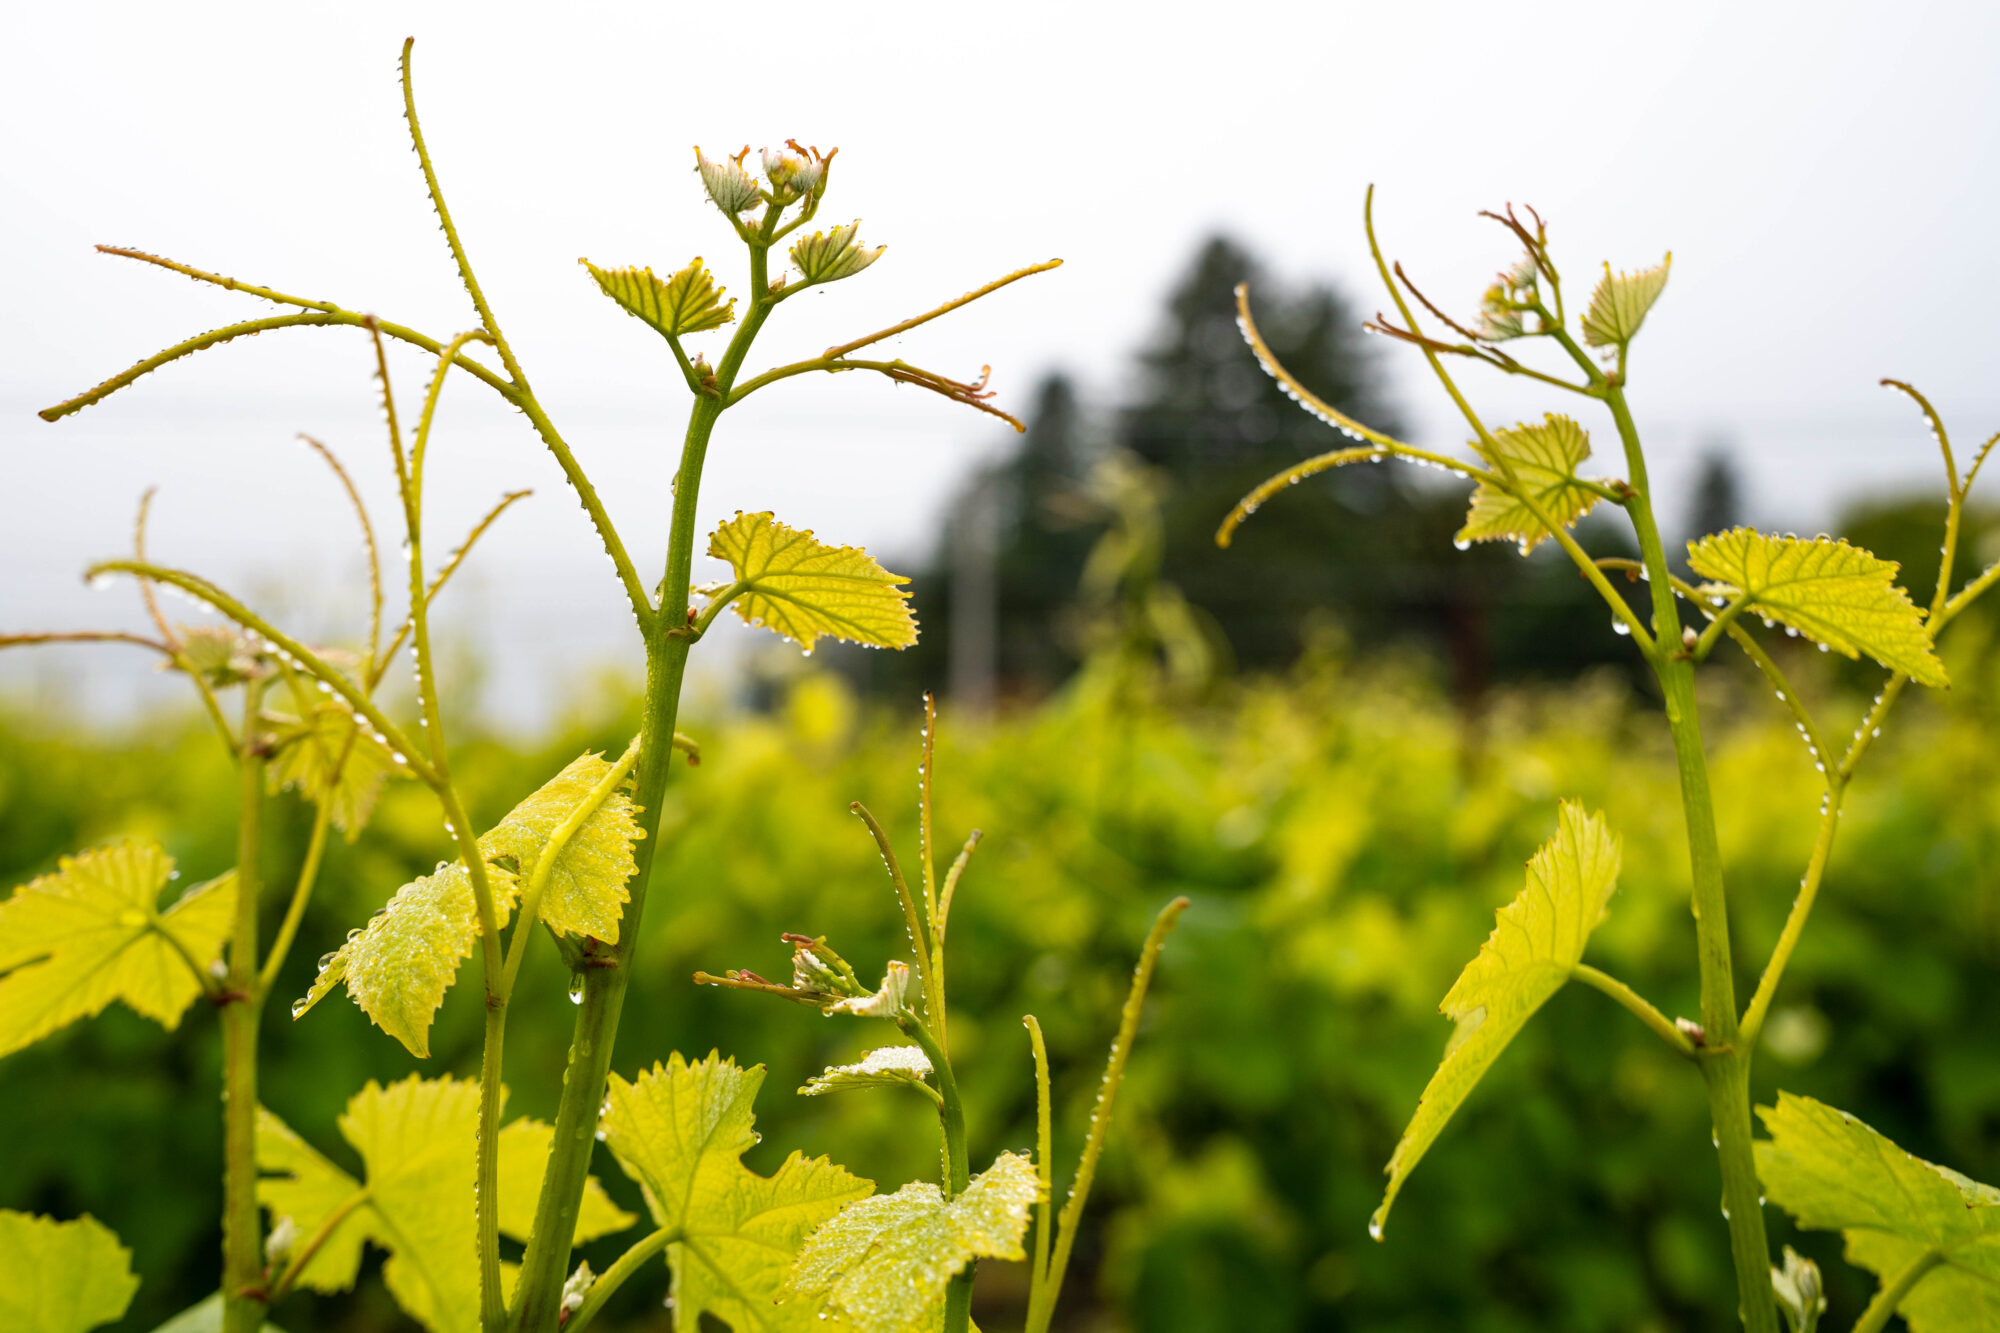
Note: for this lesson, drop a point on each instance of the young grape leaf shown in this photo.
(885, 1261)
(73, 941)
(1535, 946)
(1834, 1173)
(61, 1277)
(887, 1067)
(802, 588)
(829, 256)
(418, 1144)
(586, 893)
(1840, 595)
(399, 967)
(1619, 305)
(1544, 460)
(330, 756)
(679, 1130)
(687, 302)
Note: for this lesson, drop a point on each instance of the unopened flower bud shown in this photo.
(1801, 1294)
(782, 170)
(278, 1245)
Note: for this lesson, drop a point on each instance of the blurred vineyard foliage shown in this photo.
(1344, 831)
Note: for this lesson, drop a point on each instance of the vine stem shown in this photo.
(1725, 1065)
(957, 1165)
(1876, 1317)
(607, 971)
(602, 1290)
(243, 1303)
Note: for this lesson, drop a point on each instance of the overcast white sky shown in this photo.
(1825, 175)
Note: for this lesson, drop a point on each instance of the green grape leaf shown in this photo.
(1840, 595)
(399, 967)
(418, 1145)
(886, 1067)
(1834, 1173)
(884, 1262)
(801, 588)
(679, 1130)
(687, 302)
(587, 892)
(218, 654)
(61, 1277)
(1544, 460)
(829, 256)
(330, 756)
(73, 941)
(1536, 944)
(1619, 305)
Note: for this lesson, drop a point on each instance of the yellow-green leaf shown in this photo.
(399, 967)
(1619, 305)
(61, 1277)
(798, 586)
(829, 256)
(687, 302)
(586, 893)
(330, 756)
(1544, 460)
(679, 1130)
(1535, 946)
(1840, 595)
(884, 1262)
(417, 1140)
(1834, 1173)
(73, 941)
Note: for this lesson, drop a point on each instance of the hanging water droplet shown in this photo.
(1621, 629)
(576, 988)
(1375, 1229)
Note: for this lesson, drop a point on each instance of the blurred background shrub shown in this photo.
(1345, 830)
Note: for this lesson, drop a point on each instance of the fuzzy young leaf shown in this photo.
(687, 302)
(1534, 948)
(1544, 460)
(61, 1277)
(1834, 1173)
(679, 1130)
(1619, 305)
(885, 1262)
(829, 256)
(330, 756)
(399, 967)
(418, 1141)
(801, 588)
(729, 186)
(886, 1067)
(73, 941)
(1840, 595)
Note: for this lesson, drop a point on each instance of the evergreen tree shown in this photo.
(1372, 545)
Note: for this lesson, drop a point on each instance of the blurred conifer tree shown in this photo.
(1371, 545)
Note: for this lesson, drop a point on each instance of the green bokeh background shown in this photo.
(1344, 831)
